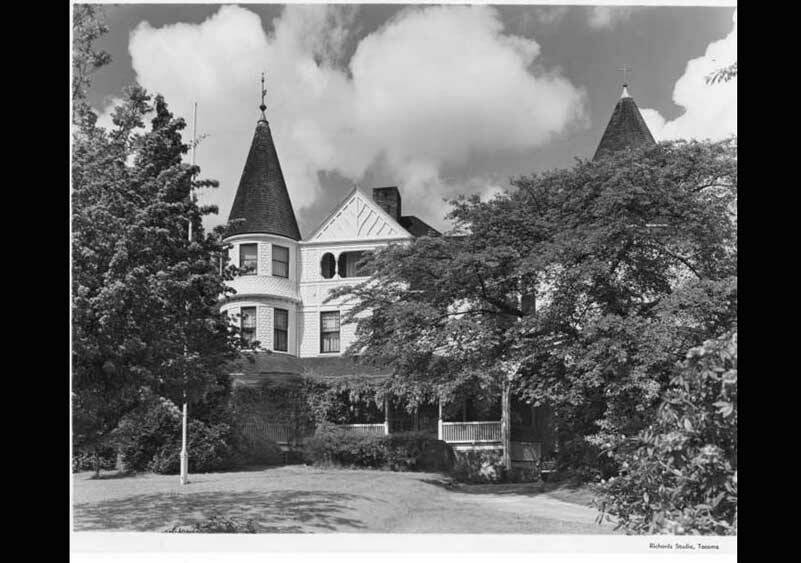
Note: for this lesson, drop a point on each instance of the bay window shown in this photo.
(248, 259)
(248, 326)
(280, 261)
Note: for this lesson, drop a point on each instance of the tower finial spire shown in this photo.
(624, 69)
(263, 107)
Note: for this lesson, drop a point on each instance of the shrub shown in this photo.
(679, 475)
(579, 458)
(85, 460)
(399, 452)
(143, 433)
(255, 449)
(150, 440)
(479, 466)
(527, 474)
(409, 451)
(209, 447)
(342, 447)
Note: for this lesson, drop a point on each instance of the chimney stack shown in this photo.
(390, 200)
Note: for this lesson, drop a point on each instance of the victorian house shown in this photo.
(282, 309)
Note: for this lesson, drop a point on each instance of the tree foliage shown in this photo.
(630, 260)
(723, 74)
(145, 310)
(679, 475)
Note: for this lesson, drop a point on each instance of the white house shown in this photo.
(280, 299)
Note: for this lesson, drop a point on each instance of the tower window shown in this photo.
(248, 326)
(280, 261)
(329, 332)
(280, 329)
(328, 266)
(248, 259)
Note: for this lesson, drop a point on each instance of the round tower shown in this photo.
(263, 234)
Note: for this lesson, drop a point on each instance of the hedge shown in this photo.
(84, 460)
(408, 451)
(150, 440)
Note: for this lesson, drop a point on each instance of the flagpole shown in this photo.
(184, 450)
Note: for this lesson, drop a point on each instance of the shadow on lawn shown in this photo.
(275, 511)
(114, 475)
(569, 491)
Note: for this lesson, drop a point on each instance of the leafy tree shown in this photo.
(723, 74)
(87, 28)
(145, 310)
(630, 260)
(679, 475)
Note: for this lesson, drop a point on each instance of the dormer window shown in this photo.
(248, 259)
(280, 261)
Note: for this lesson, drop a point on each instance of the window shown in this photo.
(280, 329)
(327, 265)
(248, 326)
(248, 259)
(348, 265)
(280, 261)
(329, 332)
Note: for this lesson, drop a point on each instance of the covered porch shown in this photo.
(466, 425)
(517, 430)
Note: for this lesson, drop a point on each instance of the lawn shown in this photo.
(302, 499)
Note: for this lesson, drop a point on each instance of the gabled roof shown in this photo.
(358, 217)
(262, 199)
(626, 128)
(418, 228)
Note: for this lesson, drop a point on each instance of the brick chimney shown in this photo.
(389, 199)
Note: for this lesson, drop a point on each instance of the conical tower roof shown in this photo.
(626, 128)
(262, 199)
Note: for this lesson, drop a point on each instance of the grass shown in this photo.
(300, 499)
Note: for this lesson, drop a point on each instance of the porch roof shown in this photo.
(259, 367)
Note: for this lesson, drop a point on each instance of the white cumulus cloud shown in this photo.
(607, 17)
(710, 110)
(430, 89)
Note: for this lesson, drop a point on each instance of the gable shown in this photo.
(358, 218)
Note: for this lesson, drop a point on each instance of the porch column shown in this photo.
(386, 416)
(439, 421)
(506, 427)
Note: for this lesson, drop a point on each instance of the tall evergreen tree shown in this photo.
(145, 311)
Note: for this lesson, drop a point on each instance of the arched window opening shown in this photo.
(327, 265)
(348, 265)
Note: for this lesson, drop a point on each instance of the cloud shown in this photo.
(607, 17)
(429, 90)
(549, 15)
(710, 110)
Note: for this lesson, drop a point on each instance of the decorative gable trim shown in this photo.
(358, 218)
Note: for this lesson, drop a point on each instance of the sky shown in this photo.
(439, 100)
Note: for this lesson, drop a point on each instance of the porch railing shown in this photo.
(275, 431)
(377, 429)
(489, 431)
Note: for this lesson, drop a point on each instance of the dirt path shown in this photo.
(306, 499)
